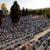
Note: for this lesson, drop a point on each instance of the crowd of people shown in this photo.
(43, 43)
(27, 27)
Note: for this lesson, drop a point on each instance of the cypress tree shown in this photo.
(15, 12)
(23, 12)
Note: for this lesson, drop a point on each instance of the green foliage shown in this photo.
(15, 12)
(23, 12)
(44, 12)
(26, 11)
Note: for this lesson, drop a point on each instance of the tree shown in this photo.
(15, 12)
(26, 11)
(23, 12)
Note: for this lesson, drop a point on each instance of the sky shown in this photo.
(30, 4)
